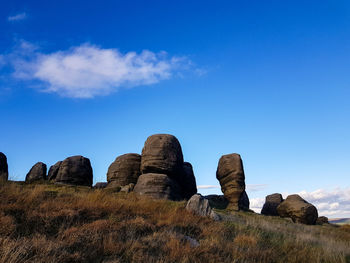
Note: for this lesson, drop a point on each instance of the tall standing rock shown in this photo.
(271, 203)
(298, 210)
(53, 171)
(36, 173)
(75, 170)
(4, 174)
(124, 170)
(162, 154)
(159, 186)
(188, 181)
(230, 174)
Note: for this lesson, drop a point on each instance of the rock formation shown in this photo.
(124, 170)
(217, 201)
(200, 206)
(36, 173)
(271, 203)
(298, 210)
(162, 154)
(322, 220)
(230, 174)
(75, 170)
(100, 185)
(158, 186)
(53, 171)
(4, 174)
(188, 181)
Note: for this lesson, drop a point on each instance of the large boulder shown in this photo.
(53, 171)
(271, 203)
(124, 170)
(298, 210)
(230, 174)
(4, 174)
(159, 186)
(162, 154)
(188, 181)
(75, 170)
(36, 173)
(200, 206)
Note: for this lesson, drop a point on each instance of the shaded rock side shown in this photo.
(124, 170)
(199, 205)
(162, 154)
(159, 186)
(271, 203)
(53, 171)
(217, 201)
(230, 174)
(36, 173)
(4, 173)
(188, 181)
(298, 210)
(75, 170)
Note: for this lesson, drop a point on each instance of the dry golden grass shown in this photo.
(50, 223)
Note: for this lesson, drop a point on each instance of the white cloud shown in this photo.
(87, 71)
(330, 203)
(17, 17)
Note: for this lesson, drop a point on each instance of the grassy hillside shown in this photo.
(49, 223)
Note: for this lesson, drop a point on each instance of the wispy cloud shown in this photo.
(87, 70)
(17, 17)
(256, 187)
(208, 186)
(331, 203)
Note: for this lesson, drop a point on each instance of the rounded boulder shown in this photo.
(36, 173)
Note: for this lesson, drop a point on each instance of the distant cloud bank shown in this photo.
(331, 203)
(87, 70)
(17, 17)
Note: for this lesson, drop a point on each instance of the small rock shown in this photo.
(271, 203)
(127, 188)
(322, 220)
(36, 173)
(100, 185)
(200, 206)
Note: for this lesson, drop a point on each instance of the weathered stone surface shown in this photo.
(271, 203)
(217, 201)
(125, 169)
(200, 206)
(298, 210)
(162, 154)
(4, 174)
(100, 185)
(322, 220)
(127, 188)
(230, 174)
(36, 173)
(188, 181)
(158, 186)
(75, 170)
(53, 171)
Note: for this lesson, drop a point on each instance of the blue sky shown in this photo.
(269, 80)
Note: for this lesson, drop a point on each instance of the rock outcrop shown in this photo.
(159, 186)
(271, 203)
(322, 220)
(75, 170)
(53, 171)
(124, 170)
(199, 205)
(188, 181)
(162, 154)
(37, 173)
(230, 174)
(217, 201)
(298, 210)
(4, 174)
(100, 185)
